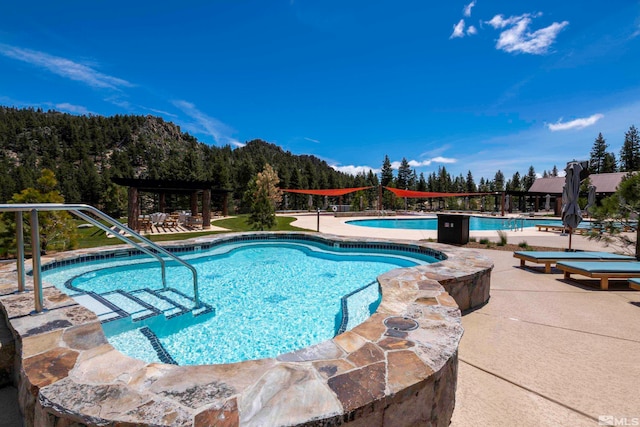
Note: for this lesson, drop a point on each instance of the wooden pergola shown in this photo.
(162, 187)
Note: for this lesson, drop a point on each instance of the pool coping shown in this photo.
(369, 375)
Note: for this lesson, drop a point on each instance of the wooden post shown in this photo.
(163, 202)
(194, 203)
(206, 209)
(133, 209)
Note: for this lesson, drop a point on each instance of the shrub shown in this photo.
(484, 241)
(502, 235)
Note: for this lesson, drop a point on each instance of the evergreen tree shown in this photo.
(514, 184)
(57, 230)
(265, 196)
(444, 180)
(609, 163)
(529, 179)
(598, 153)
(404, 174)
(386, 173)
(386, 179)
(470, 185)
(554, 171)
(498, 181)
(483, 186)
(630, 151)
(422, 183)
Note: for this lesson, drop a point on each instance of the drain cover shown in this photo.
(400, 323)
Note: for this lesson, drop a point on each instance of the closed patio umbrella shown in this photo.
(571, 213)
(547, 202)
(591, 198)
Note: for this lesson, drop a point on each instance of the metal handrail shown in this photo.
(77, 209)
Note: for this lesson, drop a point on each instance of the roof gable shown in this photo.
(604, 183)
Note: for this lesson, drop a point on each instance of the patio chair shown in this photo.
(552, 257)
(603, 270)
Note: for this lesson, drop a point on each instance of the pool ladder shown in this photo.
(514, 224)
(146, 246)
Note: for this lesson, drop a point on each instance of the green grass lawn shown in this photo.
(93, 236)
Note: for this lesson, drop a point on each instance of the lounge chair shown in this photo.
(634, 284)
(603, 270)
(552, 257)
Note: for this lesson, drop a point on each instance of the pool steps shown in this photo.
(143, 309)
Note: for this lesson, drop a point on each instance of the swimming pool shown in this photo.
(261, 298)
(476, 223)
(374, 371)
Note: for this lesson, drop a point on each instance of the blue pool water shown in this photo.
(268, 298)
(476, 223)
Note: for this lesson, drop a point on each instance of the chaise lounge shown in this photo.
(634, 284)
(602, 270)
(552, 257)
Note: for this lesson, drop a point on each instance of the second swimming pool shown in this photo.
(476, 223)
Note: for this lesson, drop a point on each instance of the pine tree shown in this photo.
(404, 174)
(386, 179)
(609, 163)
(529, 179)
(422, 183)
(56, 228)
(514, 183)
(630, 151)
(598, 153)
(470, 184)
(444, 180)
(498, 181)
(265, 196)
(386, 174)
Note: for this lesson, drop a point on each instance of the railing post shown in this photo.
(20, 254)
(35, 260)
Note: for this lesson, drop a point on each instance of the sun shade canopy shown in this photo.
(329, 192)
(428, 194)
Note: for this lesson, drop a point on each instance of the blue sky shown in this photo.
(471, 85)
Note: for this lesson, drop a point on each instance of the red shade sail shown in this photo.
(428, 194)
(328, 192)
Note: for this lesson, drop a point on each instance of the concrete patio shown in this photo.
(542, 352)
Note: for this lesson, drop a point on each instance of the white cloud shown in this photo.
(428, 162)
(311, 140)
(64, 67)
(207, 125)
(471, 30)
(517, 37)
(575, 124)
(467, 9)
(355, 170)
(77, 109)
(458, 30)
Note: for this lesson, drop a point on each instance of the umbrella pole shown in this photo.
(570, 234)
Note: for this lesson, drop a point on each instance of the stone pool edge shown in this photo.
(371, 375)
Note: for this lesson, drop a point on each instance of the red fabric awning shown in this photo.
(428, 194)
(328, 192)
